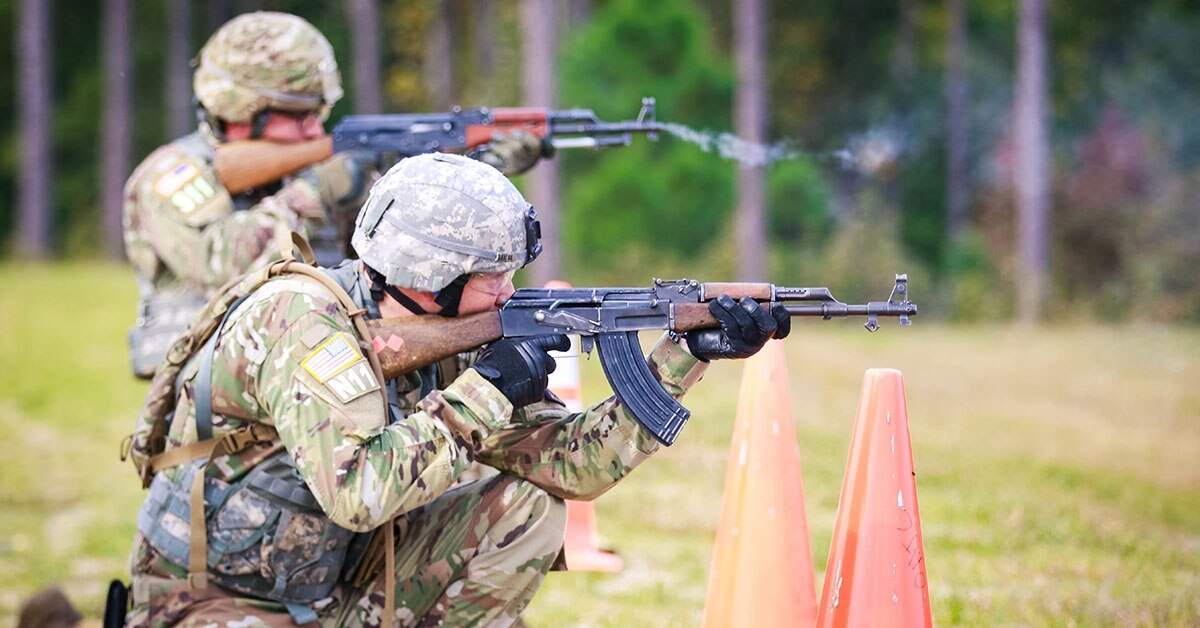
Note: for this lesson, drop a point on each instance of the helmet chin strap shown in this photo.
(448, 298)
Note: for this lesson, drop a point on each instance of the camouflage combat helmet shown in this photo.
(266, 60)
(435, 218)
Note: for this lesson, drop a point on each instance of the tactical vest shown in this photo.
(264, 535)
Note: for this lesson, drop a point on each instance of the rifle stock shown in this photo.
(407, 344)
(247, 164)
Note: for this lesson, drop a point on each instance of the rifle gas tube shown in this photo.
(404, 135)
(609, 319)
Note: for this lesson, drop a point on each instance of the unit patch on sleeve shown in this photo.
(173, 179)
(340, 366)
(353, 382)
(185, 187)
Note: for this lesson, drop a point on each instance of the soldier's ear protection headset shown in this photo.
(450, 297)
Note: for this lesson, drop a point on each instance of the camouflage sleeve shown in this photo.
(581, 455)
(179, 214)
(326, 404)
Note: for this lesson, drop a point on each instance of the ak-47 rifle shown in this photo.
(462, 130)
(247, 164)
(610, 319)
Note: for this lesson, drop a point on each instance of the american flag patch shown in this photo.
(336, 354)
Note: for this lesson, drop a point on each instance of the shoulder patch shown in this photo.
(353, 382)
(170, 181)
(340, 366)
(336, 354)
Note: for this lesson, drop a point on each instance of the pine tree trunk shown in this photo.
(484, 14)
(115, 136)
(750, 122)
(439, 58)
(539, 21)
(36, 108)
(364, 27)
(958, 175)
(178, 83)
(1032, 160)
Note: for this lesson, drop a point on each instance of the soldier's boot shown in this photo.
(472, 557)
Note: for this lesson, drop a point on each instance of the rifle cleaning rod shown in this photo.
(829, 310)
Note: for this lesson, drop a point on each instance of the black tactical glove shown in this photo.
(520, 369)
(745, 328)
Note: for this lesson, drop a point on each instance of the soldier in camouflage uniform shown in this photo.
(439, 234)
(262, 75)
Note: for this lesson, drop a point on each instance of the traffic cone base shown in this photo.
(582, 542)
(762, 571)
(876, 570)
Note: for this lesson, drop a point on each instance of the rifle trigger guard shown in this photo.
(638, 389)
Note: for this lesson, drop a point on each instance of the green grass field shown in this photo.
(1058, 468)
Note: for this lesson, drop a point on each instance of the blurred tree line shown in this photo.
(901, 115)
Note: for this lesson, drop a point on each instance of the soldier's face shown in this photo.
(485, 292)
(280, 127)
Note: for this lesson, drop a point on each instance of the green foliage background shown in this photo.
(837, 76)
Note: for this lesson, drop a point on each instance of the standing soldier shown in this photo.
(285, 488)
(268, 76)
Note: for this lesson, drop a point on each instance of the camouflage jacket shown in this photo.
(181, 230)
(287, 357)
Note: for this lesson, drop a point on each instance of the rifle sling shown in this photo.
(204, 378)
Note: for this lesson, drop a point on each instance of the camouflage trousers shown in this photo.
(473, 557)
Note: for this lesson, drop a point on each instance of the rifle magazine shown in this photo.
(637, 388)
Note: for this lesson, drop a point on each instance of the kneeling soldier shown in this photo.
(289, 483)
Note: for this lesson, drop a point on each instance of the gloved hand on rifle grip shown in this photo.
(520, 369)
(745, 327)
(514, 153)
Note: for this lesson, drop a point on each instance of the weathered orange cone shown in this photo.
(876, 570)
(762, 572)
(581, 542)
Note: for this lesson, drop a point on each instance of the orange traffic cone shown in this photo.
(762, 571)
(581, 543)
(876, 570)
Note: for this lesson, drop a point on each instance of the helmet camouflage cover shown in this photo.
(266, 60)
(435, 217)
